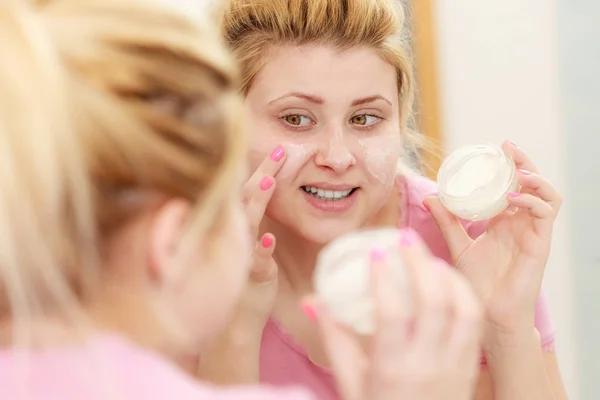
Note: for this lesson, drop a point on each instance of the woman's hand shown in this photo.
(259, 296)
(506, 263)
(235, 358)
(427, 351)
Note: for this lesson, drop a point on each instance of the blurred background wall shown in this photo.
(527, 70)
(579, 70)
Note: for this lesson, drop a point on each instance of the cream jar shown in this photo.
(342, 278)
(473, 181)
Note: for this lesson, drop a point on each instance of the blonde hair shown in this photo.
(251, 27)
(104, 104)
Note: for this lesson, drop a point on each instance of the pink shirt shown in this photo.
(111, 368)
(284, 361)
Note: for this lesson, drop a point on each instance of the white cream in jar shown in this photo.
(342, 279)
(473, 181)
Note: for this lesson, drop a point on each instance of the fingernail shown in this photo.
(426, 206)
(512, 143)
(514, 194)
(266, 183)
(277, 154)
(378, 254)
(266, 242)
(524, 172)
(408, 237)
(309, 310)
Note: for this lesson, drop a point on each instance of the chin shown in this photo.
(324, 232)
(314, 228)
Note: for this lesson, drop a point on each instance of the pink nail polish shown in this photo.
(266, 183)
(408, 237)
(266, 242)
(426, 206)
(309, 310)
(514, 194)
(277, 154)
(524, 172)
(378, 254)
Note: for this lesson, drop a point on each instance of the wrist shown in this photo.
(238, 336)
(234, 358)
(500, 340)
(517, 367)
(507, 349)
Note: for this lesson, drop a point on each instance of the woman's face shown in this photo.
(336, 113)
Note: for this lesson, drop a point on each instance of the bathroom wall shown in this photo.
(579, 66)
(501, 76)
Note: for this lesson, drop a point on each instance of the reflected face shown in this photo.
(337, 115)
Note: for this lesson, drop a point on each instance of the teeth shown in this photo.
(326, 194)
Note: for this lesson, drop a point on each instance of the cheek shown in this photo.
(380, 155)
(297, 156)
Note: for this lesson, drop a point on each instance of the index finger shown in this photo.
(270, 166)
(522, 161)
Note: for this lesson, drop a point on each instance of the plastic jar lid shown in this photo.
(473, 181)
(342, 278)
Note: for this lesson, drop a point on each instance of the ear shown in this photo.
(165, 235)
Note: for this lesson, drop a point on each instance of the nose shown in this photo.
(334, 153)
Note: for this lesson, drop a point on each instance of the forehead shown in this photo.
(325, 71)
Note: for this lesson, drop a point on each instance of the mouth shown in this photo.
(326, 194)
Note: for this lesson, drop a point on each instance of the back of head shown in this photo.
(104, 105)
(252, 26)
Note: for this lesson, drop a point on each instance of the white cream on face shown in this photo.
(380, 155)
(296, 156)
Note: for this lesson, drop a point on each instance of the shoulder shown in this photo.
(150, 376)
(414, 189)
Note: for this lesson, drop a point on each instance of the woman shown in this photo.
(328, 83)
(120, 150)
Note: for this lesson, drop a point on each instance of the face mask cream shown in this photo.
(473, 181)
(342, 279)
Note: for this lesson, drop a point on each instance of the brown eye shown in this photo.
(364, 120)
(293, 119)
(359, 119)
(297, 120)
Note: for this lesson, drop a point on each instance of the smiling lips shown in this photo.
(330, 198)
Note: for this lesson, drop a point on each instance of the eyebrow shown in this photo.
(308, 97)
(370, 99)
(318, 100)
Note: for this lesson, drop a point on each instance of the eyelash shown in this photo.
(295, 127)
(373, 125)
(298, 128)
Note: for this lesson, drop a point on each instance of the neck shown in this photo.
(140, 318)
(117, 311)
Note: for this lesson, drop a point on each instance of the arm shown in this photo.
(521, 370)
(233, 360)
